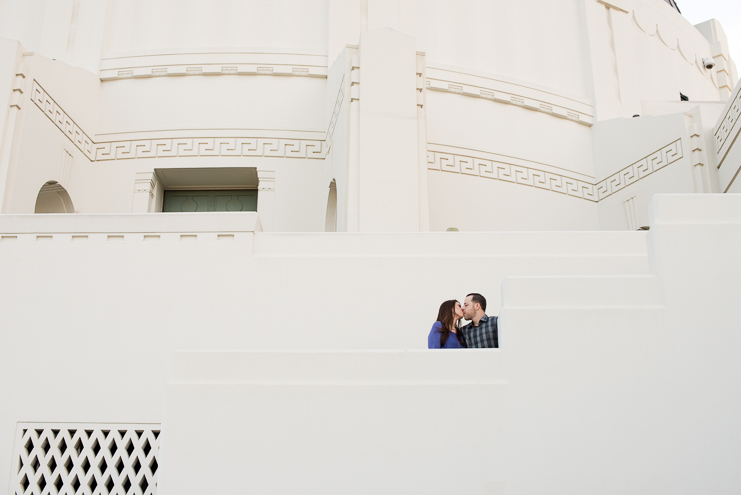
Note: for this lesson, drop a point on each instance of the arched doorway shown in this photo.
(53, 198)
(330, 223)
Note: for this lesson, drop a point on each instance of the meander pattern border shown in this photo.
(172, 147)
(317, 149)
(730, 119)
(526, 176)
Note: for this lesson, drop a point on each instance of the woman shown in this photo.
(446, 332)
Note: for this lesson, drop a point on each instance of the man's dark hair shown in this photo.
(478, 298)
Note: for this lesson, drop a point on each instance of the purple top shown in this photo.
(433, 340)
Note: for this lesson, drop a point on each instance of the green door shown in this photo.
(234, 200)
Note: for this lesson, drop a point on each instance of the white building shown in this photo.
(275, 357)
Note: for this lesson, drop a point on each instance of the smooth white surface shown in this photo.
(96, 314)
(597, 376)
(513, 118)
(132, 88)
(131, 223)
(338, 422)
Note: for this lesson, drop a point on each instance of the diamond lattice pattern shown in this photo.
(85, 459)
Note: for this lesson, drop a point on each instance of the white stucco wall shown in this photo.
(510, 121)
(98, 318)
(528, 104)
(596, 377)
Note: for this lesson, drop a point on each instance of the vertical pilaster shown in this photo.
(608, 41)
(265, 198)
(388, 196)
(725, 71)
(424, 207)
(144, 188)
(9, 138)
(698, 158)
(353, 161)
(622, 41)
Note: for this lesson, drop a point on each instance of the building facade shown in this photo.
(221, 221)
(521, 107)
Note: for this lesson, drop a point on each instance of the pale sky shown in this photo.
(728, 12)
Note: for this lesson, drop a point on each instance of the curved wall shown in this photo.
(529, 40)
(508, 95)
(145, 25)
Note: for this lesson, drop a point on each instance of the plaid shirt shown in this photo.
(484, 335)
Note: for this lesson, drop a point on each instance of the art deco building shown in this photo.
(226, 227)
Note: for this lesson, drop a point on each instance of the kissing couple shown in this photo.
(447, 333)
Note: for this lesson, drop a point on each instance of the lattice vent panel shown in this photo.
(85, 459)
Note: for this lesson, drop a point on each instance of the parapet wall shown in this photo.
(597, 377)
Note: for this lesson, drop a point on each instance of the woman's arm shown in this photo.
(433, 340)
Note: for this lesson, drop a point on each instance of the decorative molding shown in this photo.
(696, 151)
(266, 180)
(173, 147)
(638, 170)
(613, 4)
(726, 126)
(214, 70)
(16, 97)
(551, 181)
(509, 172)
(182, 147)
(355, 78)
(266, 198)
(335, 115)
(63, 121)
(669, 37)
(467, 83)
(145, 184)
(421, 85)
(220, 62)
(69, 458)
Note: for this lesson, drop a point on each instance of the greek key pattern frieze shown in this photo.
(640, 169)
(541, 179)
(729, 121)
(167, 148)
(62, 120)
(507, 172)
(174, 147)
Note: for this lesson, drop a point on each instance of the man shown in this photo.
(482, 331)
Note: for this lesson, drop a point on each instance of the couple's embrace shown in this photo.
(447, 333)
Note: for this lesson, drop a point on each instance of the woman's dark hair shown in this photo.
(446, 317)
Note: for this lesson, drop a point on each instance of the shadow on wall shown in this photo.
(53, 198)
(330, 223)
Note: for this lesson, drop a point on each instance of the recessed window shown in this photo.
(219, 200)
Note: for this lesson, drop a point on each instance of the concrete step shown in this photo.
(630, 291)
